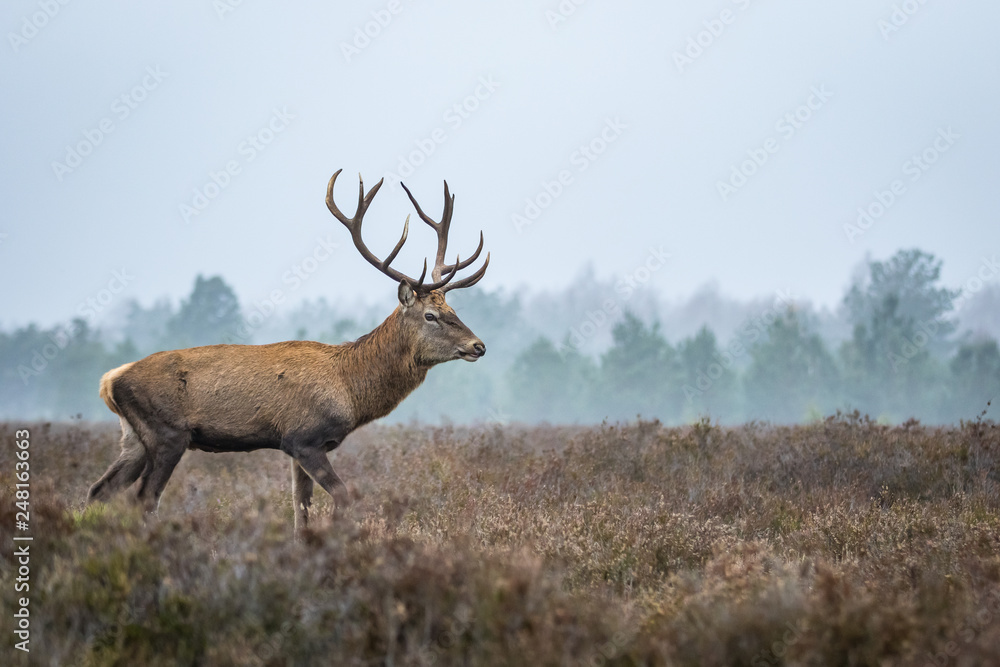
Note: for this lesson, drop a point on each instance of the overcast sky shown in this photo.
(739, 137)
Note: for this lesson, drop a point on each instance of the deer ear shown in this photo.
(407, 297)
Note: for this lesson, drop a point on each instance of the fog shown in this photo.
(640, 168)
(900, 345)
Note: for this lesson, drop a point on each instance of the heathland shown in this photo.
(839, 542)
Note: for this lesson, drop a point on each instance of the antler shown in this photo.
(442, 273)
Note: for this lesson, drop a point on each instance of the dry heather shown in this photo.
(843, 542)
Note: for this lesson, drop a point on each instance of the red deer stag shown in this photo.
(300, 397)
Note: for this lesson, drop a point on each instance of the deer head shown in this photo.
(438, 335)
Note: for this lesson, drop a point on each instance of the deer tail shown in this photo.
(107, 387)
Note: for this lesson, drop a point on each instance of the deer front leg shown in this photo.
(313, 461)
(302, 490)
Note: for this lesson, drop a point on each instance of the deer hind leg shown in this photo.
(302, 490)
(166, 453)
(124, 471)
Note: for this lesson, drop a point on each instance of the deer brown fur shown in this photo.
(300, 397)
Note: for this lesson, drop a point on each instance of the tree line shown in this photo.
(904, 357)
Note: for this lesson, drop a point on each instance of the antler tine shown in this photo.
(354, 225)
(470, 280)
(458, 266)
(399, 246)
(363, 201)
(450, 272)
(330, 203)
(449, 206)
(423, 274)
(440, 228)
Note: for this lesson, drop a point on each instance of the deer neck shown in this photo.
(384, 369)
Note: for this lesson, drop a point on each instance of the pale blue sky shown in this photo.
(531, 91)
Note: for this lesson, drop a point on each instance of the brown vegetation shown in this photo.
(843, 542)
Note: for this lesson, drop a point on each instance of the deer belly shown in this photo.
(215, 440)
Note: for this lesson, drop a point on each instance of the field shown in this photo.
(843, 542)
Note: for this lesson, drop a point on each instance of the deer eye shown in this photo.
(429, 317)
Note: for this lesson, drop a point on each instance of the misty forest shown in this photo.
(900, 345)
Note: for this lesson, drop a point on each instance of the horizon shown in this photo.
(106, 311)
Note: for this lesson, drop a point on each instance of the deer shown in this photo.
(300, 397)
